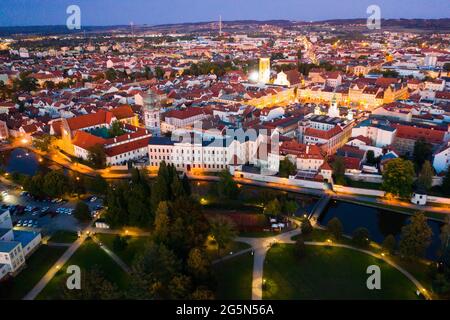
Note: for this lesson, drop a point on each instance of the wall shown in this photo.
(285, 181)
(367, 192)
(374, 178)
(439, 200)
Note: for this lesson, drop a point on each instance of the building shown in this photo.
(152, 104)
(328, 133)
(264, 70)
(407, 135)
(441, 158)
(378, 131)
(15, 246)
(175, 119)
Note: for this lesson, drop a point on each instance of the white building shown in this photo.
(379, 132)
(15, 246)
(441, 160)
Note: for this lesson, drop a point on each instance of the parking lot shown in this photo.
(47, 215)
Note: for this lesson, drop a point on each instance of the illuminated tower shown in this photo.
(264, 70)
(333, 110)
(220, 26)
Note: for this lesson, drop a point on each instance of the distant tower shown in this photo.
(333, 110)
(317, 110)
(220, 26)
(264, 70)
(350, 115)
(152, 112)
(132, 28)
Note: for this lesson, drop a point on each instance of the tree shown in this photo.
(425, 178)
(389, 243)
(55, 184)
(97, 156)
(370, 157)
(335, 228)
(227, 188)
(398, 177)
(198, 264)
(273, 208)
(223, 231)
(156, 274)
(306, 226)
(290, 207)
(415, 237)
(422, 152)
(186, 185)
(159, 72)
(446, 183)
(116, 129)
(94, 287)
(300, 247)
(339, 170)
(162, 222)
(202, 293)
(445, 234)
(110, 74)
(82, 211)
(98, 185)
(43, 142)
(361, 237)
(287, 168)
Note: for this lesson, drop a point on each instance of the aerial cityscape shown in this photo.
(224, 155)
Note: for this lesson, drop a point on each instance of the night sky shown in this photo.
(113, 12)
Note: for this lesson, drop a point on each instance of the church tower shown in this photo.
(264, 70)
(152, 112)
(333, 110)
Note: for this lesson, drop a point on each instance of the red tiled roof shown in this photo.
(126, 147)
(89, 120)
(123, 112)
(430, 135)
(85, 140)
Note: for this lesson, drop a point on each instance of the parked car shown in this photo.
(93, 199)
(19, 223)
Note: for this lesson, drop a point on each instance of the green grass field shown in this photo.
(37, 265)
(135, 246)
(329, 273)
(87, 256)
(62, 236)
(234, 278)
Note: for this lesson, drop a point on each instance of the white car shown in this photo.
(93, 199)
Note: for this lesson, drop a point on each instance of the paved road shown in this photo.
(112, 255)
(56, 266)
(260, 246)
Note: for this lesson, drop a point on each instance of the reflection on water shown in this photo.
(19, 160)
(379, 222)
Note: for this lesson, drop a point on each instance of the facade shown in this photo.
(441, 158)
(15, 246)
(379, 132)
(328, 133)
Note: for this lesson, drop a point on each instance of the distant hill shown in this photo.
(423, 24)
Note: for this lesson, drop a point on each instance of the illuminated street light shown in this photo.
(24, 140)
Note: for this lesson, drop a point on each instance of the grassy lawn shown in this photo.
(62, 236)
(235, 246)
(329, 273)
(87, 256)
(234, 278)
(134, 247)
(37, 265)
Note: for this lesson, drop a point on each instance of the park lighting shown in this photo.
(78, 178)
(383, 254)
(126, 231)
(329, 241)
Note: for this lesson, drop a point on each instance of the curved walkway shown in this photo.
(260, 247)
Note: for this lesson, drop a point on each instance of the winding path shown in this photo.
(261, 246)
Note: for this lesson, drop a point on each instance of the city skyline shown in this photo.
(50, 12)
